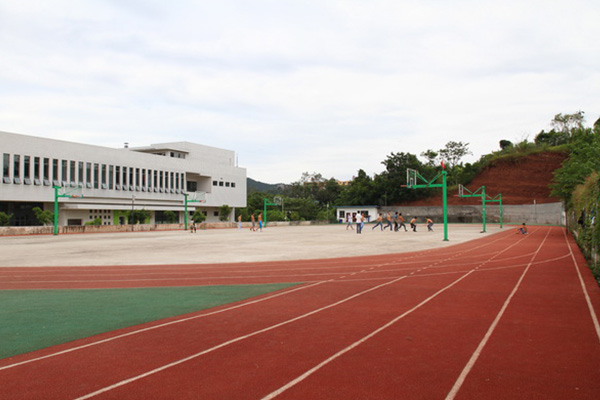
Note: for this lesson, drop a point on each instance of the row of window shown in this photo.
(226, 184)
(29, 170)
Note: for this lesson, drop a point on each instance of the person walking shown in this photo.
(388, 218)
(429, 224)
(362, 221)
(253, 220)
(260, 221)
(401, 223)
(239, 222)
(379, 222)
(396, 221)
(349, 221)
(413, 224)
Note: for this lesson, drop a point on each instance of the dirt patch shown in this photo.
(520, 181)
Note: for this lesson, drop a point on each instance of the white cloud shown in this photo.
(294, 86)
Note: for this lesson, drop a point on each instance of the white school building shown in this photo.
(113, 181)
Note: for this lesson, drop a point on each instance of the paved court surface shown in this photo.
(224, 245)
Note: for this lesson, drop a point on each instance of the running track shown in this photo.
(503, 317)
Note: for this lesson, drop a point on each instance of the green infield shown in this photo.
(34, 319)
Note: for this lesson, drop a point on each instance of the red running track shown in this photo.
(503, 317)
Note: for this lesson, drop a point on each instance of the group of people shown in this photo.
(253, 221)
(394, 222)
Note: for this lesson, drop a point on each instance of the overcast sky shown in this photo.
(293, 86)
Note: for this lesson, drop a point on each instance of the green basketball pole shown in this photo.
(266, 203)
(481, 193)
(56, 210)
(185, 203)
(430, 184)
(498, 199)
(56, 196)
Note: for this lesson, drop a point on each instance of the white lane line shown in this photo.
(232, 341)
(369, 336)
(359, 342)
(159, 326)
(585, 292)
(469, 366)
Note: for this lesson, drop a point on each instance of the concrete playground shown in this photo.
(224, 245)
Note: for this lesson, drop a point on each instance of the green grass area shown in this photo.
(34, 319)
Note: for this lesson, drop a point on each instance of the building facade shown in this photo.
(108, 183)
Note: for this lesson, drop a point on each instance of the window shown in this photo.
(46, 173)
(6, 168)
(88, 175)
(216, 213)
(137, 179)
(111, 173)
(118, 177)
(17, 169)
(131, 178)
(96, 176)
(36, 171)
(72, 173)
(192, 186)
(55, 179)
(80, 174)
(27, 170)
(215, 183)
(227, 184)
(232, 184)
(64, 175)
(221, 183)
(103, 176)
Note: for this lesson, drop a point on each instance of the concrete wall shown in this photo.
(532, 214)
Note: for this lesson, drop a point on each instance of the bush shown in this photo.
(198, 217)
(585, 207)
(5, 218)
(43, 217)
(224, 212)
(95, 222)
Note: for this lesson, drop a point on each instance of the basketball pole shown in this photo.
(185, 203)
(266, 203)
(430, 184)
(56, 196)
(56, 210)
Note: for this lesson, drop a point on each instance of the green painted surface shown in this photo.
(34, 319)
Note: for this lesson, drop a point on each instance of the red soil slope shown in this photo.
(520, 181)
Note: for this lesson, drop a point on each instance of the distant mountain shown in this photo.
(256, 186)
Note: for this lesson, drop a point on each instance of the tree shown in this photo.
(552, 138)
(43, 217)
(505, 144)
(198, 216)
(137, 216)
(5, 218)
(568, 122)
(584, 158)
(431, 157)
(224, 212)
(360, 191)
(454, 152)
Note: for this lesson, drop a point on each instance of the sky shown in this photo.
(320, 86)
